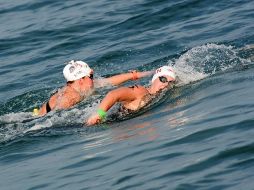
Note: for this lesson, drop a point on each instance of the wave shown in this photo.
(191, 66)
(206, 60)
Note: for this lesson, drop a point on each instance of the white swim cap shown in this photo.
(164, 71)
(75, 70)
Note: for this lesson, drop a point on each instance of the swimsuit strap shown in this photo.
(48, 108)
(133, 86)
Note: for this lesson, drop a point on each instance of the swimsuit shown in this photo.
(48, 108)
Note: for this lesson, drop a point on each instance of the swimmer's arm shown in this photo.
(121, 78)
(42, 110)
(123, 94)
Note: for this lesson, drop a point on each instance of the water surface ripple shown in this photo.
(198, 135)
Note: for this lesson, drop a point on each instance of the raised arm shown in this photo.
(123, 94)
(121, 78)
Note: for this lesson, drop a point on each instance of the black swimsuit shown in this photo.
(48, 108)
(133, 86)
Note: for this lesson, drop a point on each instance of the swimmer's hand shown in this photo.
(94, 119)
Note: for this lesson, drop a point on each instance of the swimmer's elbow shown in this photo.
(113, 96)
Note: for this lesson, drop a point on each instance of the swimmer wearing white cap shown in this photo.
(80, 84)
(133, 98)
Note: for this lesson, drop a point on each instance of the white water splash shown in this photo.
(15, 125)
(203, 61)
(65, 118)
(15, 117)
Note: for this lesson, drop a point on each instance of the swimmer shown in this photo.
(135, 97)
(80, 85)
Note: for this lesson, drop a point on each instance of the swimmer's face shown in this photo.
(162, 82)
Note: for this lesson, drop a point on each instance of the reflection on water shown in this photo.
(144, 130)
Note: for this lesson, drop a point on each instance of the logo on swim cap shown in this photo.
(71, 69)
(164, 71)
(75, 70)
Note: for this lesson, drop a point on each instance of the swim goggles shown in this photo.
(91, 76)
(163, 79)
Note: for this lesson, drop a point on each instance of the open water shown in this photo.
(198, 135)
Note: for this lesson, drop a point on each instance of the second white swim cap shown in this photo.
(164, 71)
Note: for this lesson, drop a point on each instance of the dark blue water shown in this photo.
(198, 135)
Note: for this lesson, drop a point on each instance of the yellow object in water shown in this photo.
(35, 112)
